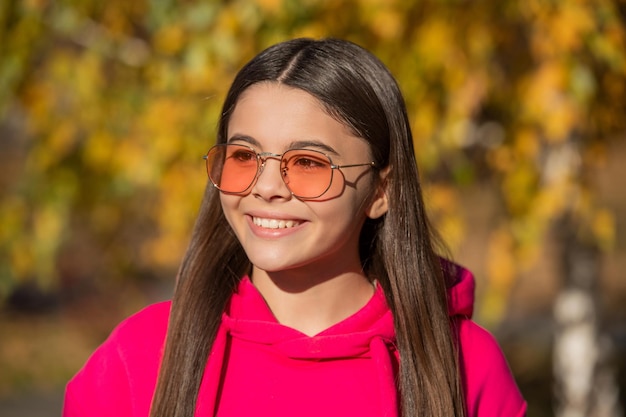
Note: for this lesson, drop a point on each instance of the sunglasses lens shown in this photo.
(232, 168)
(308, 174)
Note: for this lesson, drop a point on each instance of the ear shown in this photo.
(379, 204)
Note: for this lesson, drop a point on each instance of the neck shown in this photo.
(310, 302)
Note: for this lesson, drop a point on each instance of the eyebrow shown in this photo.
(299, 144)
(244, 138)
(313, 144)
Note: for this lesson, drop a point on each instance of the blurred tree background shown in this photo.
(107, 107)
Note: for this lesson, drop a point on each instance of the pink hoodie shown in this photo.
(259, 367)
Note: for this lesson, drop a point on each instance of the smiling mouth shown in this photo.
(274, 223)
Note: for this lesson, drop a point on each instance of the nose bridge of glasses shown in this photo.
(264, 156)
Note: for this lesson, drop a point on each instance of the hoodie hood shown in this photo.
(261, 355)
(461, 293)
(249, 318)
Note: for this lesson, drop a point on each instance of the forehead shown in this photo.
(265, 97)
(275, 115)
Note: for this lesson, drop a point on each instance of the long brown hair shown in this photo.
(358, 90)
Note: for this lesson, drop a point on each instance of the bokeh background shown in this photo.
(518, 112)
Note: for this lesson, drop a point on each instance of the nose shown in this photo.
(269, 184)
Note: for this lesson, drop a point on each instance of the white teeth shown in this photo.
(274, 223)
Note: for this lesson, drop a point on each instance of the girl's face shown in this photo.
(279, 232)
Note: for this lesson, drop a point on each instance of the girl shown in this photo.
(311, 286)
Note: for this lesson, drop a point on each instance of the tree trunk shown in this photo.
(585, 384)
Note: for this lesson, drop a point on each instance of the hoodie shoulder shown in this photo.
(149, 322)
(490, 387)
(121, 374)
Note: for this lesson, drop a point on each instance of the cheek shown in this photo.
(229, 205)
(341, 188)
(347, 211)
(337, 186)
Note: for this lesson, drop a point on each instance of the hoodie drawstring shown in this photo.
(381, 354)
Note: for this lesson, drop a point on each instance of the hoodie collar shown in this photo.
(249, 318)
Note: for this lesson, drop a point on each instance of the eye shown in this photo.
(308, 162)
(243, 156)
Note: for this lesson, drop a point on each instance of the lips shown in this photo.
(274, 223)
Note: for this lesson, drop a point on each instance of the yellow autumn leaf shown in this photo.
(526, 144)
(570, 25)
(518, 188)
(100, 150)
(501, 270)
(470, 93)
(562, 118)
(604, 229)
(314, 30)
(433, 43)
(424, 122)
(22, 259)
(131, 162)
(170, 39)
(387, 24)
(62, 138)
(502, 159)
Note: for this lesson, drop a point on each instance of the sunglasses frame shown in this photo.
(262, 157)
